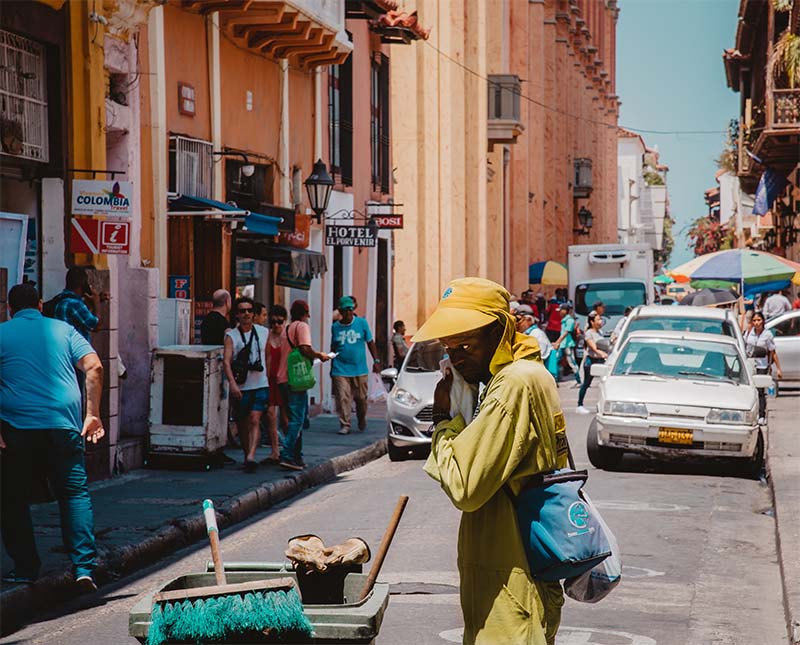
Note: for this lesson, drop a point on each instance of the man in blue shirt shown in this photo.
(350, 337)
(40, 410)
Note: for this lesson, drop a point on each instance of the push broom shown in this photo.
(217, 612)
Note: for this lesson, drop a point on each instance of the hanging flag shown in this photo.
(769, 187)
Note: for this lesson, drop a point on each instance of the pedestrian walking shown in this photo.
(758, 336)
(260, 314)
(620, 324)
(553, 326)
(40, 424)
(216, 322)
(245, 347)
(70, 305)
(350, 338)
(567, 341)
(517, 432)
(528, 324)
(399, 344)
(298, 333)
(593, 355)
(776, 304)
(278, 377)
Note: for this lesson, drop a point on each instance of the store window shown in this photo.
(379, 123)
(340, 107)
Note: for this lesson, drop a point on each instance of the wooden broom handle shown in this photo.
(219, 568)
(384, 547)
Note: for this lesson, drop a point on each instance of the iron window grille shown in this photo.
(379, 123)
(191, 167)
(23, 98)
(340, 107)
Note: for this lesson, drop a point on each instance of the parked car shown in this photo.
(676, 395)
(706, 320)
(786, 329)
(410, 403)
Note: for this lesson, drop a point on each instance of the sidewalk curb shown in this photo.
(792, 619)
(20, 602)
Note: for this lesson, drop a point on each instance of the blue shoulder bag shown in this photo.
(561, 531)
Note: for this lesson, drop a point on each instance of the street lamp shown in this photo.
(586, 220)
(319, 186)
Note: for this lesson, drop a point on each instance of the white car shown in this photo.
(786, 330)
(674, 395)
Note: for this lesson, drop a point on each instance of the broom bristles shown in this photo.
(216, 618)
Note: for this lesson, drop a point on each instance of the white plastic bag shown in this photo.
(597, 583)
(463, 396)
(377, 390)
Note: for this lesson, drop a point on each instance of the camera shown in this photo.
(258, 366)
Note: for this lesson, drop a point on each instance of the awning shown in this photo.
(255, 222)
(304, 263)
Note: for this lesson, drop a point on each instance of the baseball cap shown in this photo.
(346, 302)
(466, 304)
(524, 310)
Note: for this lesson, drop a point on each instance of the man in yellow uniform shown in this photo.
(517, 431)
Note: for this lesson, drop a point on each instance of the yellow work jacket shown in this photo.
(519, 430)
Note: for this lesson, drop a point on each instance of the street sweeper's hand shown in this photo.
(441, 396)
(2, 442)
(92, 429)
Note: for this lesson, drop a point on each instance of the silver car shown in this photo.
(673, 395)
(786, 330)
(410, 404)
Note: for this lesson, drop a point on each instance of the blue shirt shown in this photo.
(350, 342)
(71, 309)
(38, 386)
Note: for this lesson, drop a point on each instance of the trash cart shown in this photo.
(188, 406)
(347, 622)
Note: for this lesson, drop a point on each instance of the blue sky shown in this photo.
(670, 77)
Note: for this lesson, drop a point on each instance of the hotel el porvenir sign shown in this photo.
(349, 235)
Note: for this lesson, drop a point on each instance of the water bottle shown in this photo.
(771, 389)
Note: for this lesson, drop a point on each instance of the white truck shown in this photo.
(618, 275)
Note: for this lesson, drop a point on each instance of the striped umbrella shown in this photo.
(548, 272)
(752, 271)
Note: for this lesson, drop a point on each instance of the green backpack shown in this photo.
(300, 370)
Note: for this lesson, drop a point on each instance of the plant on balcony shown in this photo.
(652, 178)
(668, 240)
(782, 5)
(785, 59)
(707, 235)
(729, 157)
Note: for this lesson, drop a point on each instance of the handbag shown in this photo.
(299, 369)
(240, 366)
(561, 530)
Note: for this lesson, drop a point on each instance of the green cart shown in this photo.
(329, 601)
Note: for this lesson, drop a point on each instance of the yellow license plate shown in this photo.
(675, 435)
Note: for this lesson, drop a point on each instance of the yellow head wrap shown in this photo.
(470, 303)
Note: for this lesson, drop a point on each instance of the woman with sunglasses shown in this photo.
(277, 375)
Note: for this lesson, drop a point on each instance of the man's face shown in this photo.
(471, 352)
(347, 315)
(601, 309)
(261, 318)
(244, 313)
(524, 321)
(401, 330)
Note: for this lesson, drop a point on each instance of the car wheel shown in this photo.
(755, 464)
(397, 454)
(601, 456)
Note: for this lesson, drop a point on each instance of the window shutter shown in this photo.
(384, 124)
(346, 120)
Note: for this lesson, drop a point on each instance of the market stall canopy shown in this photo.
(710, 297)
(304, 263)
(752, 271)
(548, 272)
(255, 222)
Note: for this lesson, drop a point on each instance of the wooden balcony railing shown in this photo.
(786, 109)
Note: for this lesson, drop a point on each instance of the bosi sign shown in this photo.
(109, 198)
(389, 221)
(346, 235)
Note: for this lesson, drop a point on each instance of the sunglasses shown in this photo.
(277, 321)
(247, 310)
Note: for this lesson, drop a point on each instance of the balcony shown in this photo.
(778, 144)
(504, 110)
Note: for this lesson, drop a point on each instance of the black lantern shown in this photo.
(319, 186)
(586, 221)
(770, 239)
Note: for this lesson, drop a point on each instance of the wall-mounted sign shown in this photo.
(300, 237)
(98, 237)
(95, 197)
(389, 221)
(287, 279)
(347, 235)
(179, 286)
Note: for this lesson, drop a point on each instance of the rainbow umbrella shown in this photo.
(547, 272)
(663, 279)
(752, 271)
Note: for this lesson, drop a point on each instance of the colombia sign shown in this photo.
(109, 198)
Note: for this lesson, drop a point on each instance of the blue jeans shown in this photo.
(61, 451)
(292, 448)
(587, 377)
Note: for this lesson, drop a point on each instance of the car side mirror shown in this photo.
(598, 369)
(763, 381)
(389, 374)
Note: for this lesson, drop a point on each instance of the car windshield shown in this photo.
(677, 323)
(681, 359)
(614, 295)
(424, 357)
